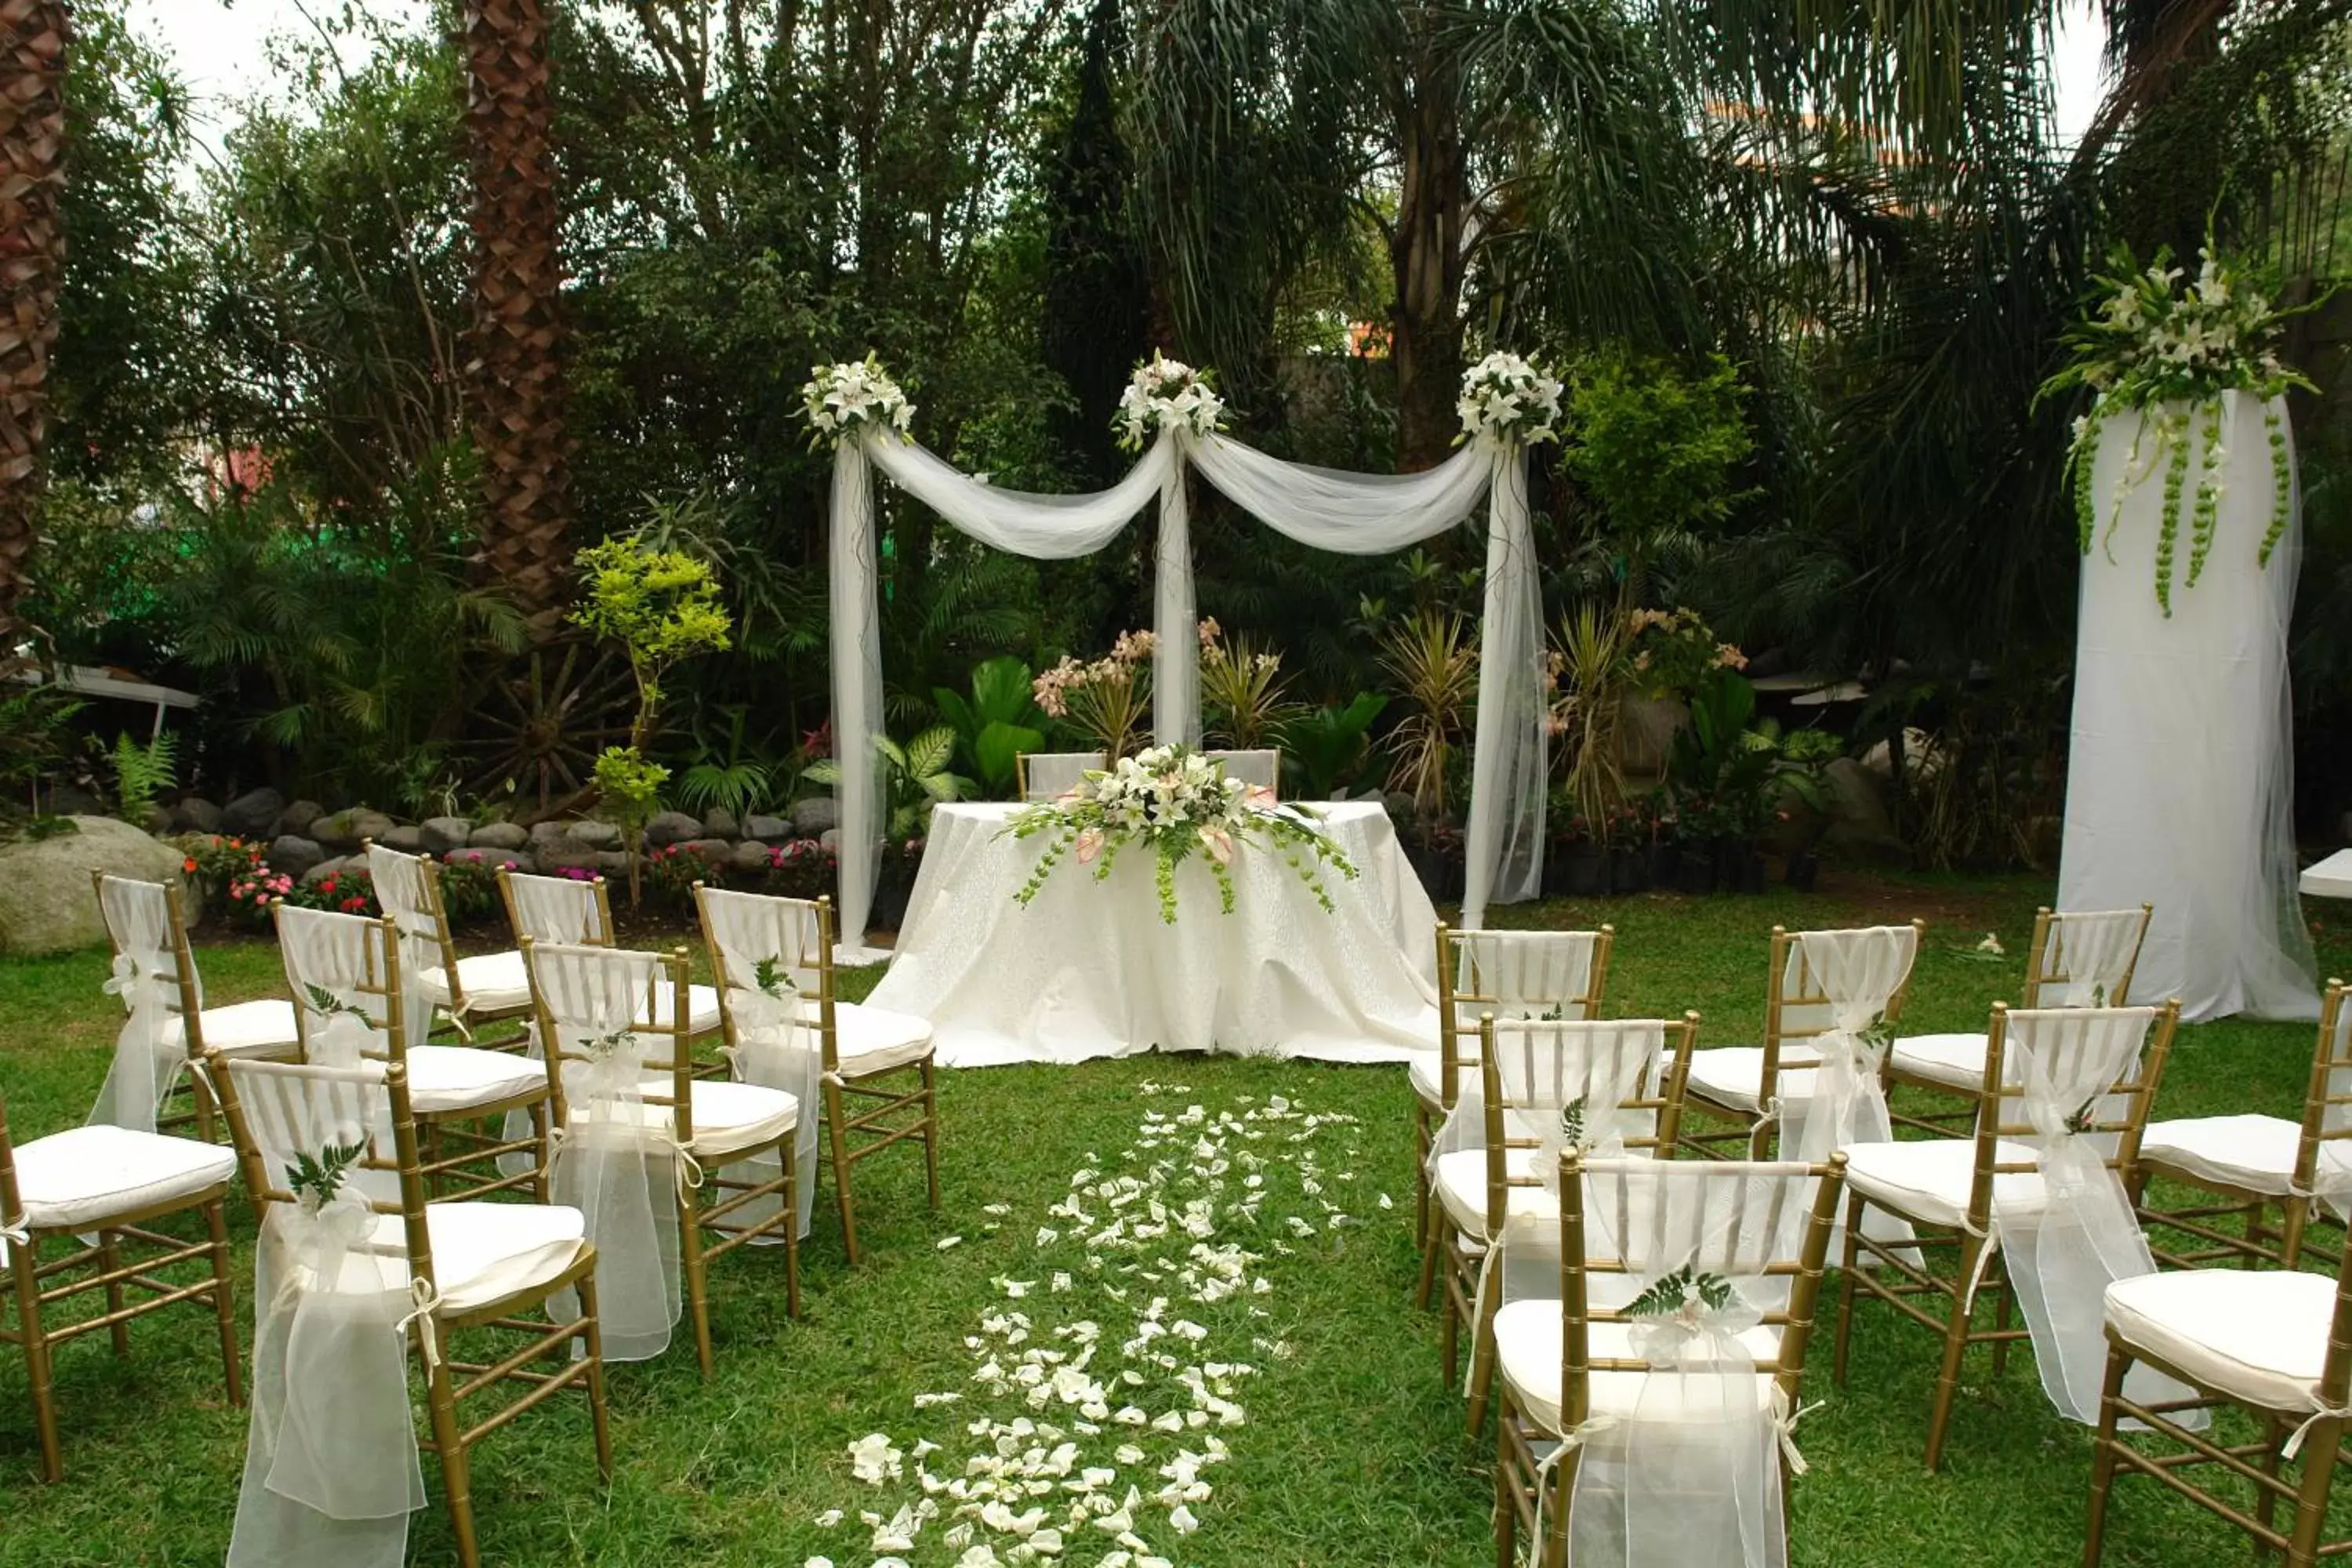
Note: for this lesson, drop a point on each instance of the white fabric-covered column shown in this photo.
(1503, 854)
(1176, 660)
(2179, 790)
(856, 681)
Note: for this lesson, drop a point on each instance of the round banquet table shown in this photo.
(1088, 969)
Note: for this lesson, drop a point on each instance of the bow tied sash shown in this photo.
(144, 1060)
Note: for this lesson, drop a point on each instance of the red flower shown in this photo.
(189, 865)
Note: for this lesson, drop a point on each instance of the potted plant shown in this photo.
(1627, 838)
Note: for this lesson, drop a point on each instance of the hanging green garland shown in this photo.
(2149, 345)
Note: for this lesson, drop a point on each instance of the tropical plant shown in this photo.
(659, 605)
(1107, 701)
(1328, 748)
(915, 777)
(1435, 665)
(1594, 669)
(142, 771)
(628, 790)
(731, 776)
(995, 723)
(1730, 766)
(33, 738)
(1656, 451)
(1241, 686)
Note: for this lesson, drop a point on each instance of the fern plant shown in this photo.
(316, 1178)
(1677, 1291)
(141, 772)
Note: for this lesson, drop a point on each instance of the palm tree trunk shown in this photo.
(516, 366)
(32, 261)
(1426, 256)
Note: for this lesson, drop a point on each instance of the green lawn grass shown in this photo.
(1353, 1451)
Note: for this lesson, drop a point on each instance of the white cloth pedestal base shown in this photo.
(2329, 879)
(1088, 969)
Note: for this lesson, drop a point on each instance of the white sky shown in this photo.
(217, 45)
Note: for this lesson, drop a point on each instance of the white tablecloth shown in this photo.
(2329, 879)
(1088, 969)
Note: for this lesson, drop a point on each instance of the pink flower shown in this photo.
(1090, 843)
(1220, 845)
(1257, 797)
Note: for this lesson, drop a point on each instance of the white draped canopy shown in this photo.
(1358, 514)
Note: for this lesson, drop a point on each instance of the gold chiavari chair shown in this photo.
(144, 917)
(350, 968)
(693, 1112)
(1533, 1072)
(1043, 775)
(2078, 959)
(469, 1266)
(1943, 1189)
(867, 1052)
(1744, 1084)
(113, 1183)
(580, 910)
(2253, 1163)
(2274, 1342)
(486, 988)
(1510, 974)
(1569, 1367)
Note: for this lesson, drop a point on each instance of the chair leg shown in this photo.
(698, 1274)
(23, 1261)
(200, 1099)
(591, 1331)
(1848, 1265)
(1482, 1358)
(832, 1120)
(931, 1128)
(457, 1481)
(1431, 1247)
(1955, 1347)
(542, 1177)
(1507, 1488)
(791, 1211)
(1554, 1545)
(2103, 1458)
(109, 1258)
(2004, 1300)
(224, 1300)
(2310, 1496)
(1450, 1332)
(2275, 1433)
(2298, 1214)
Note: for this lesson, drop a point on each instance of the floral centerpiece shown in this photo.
(1165, 393)
(1505, 398)
(1108, 698)
(1669, 652)
(842, 400)
(2151, 348)
(1174, 801)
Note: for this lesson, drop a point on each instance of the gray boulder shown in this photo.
(830, 839)
(299, 816)
(324, 869)
(563, 853)
(719, 823)
(672, 827)
(750, 858)
(195, 814)
(442, 834)
(71, 800)
(547, 832)
(613, 865)
(1860, 824)
(46, 902)
(498, 836)
(344, 831)
(596, 835)
(711, 851)
(252, 813)
(407, 840)
(292, 855)
(814, 816)
(768, 829)
(158, 820)
(523, 861)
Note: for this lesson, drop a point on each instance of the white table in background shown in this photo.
(2328, 878)
(1088, 969)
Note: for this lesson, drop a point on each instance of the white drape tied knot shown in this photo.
(1785, 1417)
(138, 980)
(1575, 1436)
(1696, 1337)
(425, 1300)
(2295, 1440)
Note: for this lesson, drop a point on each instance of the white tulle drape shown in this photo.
(1362, 514)
(2179, 788)
(147, 1054)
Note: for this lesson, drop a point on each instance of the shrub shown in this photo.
(469, 884)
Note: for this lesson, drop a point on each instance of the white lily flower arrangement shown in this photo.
(842, 400)
(1506, 398)
(1174, 801)
(2152, 343)
(1167, 395)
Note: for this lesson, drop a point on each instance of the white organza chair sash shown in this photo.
(2331, 1177)
(1523, 974)
(1048, 775)
(146, 976)
(400, 890)
(2094, 952)
(557, 909)
(769, 957)
(340, 968)
(2069, 1232)
(618, 1158)
(331, 1471)
(1855, 975)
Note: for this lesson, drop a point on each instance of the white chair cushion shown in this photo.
(494, 982)
(728, 1117)
(870, 1040)
(1527, 1350)
(80, 1178)
(241, 1028)
(702, 1009)
(1732, 1077)
(2259, 1337)
(447, 1079)
(2251, 1153)
(1949, 1061)
(1462, 1188)
(483, 1252)
(1928, 1179)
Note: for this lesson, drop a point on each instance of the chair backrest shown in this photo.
(2106, 1060)
(557, 909)
(408, 889)
(1764, 1223)
(2085, 958)
(1548, 1081)
(586, 1000)
(2328, 1103)
(1512, 975)
(144, 918)
(1802, 997)
(1048, 775)
(339, 967)
(281, 1114)
(1262, 768)
(790, 939)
